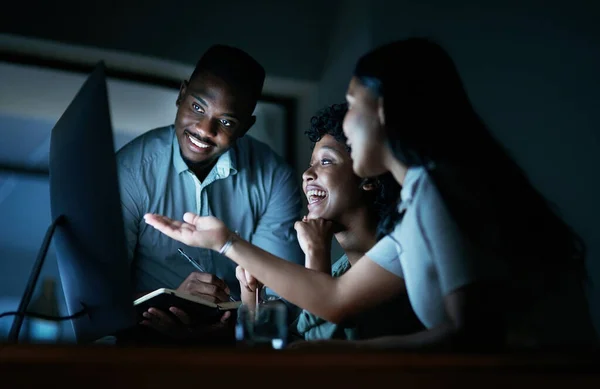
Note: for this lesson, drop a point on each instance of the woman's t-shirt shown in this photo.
(433, 256)
(429, 251)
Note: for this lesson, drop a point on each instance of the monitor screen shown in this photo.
(90, 242)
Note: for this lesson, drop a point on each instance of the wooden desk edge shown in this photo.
(102, 354)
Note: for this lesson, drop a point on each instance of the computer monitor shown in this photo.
(84, 195)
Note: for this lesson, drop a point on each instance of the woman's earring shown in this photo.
(381, 112)
(369, 184)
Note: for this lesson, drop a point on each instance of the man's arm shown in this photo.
(131, 202)
(275, 232)
(131, 206)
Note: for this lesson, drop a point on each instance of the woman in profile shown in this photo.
(485, 260)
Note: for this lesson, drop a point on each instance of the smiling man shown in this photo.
(204, 164)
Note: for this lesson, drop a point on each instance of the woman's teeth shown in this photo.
(315, 195)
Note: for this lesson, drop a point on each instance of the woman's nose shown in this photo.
(309, 174)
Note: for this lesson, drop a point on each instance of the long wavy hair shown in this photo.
(430, 122)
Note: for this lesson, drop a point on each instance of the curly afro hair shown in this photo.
(328, 121)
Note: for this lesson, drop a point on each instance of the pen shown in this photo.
(180, 251)
(197, 266)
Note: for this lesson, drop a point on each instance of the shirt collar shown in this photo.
(225, 166)
(409, 185)
(178, 162)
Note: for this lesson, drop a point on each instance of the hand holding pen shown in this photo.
(204, 283)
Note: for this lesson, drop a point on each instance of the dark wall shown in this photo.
(289, 38)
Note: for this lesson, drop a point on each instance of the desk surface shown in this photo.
(102, 366)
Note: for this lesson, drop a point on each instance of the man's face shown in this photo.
(210, 117)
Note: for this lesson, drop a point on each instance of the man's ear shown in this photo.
(380, 111)
(182, 90)
(251, 122)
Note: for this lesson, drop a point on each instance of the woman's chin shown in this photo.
(316, 214)
(359, 170)
(363, 171)
(313, 215)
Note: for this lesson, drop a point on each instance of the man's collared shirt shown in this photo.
(250, 188)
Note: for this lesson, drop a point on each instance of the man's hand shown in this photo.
(178, 327)
(205, 285)
(314, 236)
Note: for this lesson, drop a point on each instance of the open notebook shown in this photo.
(201, 311)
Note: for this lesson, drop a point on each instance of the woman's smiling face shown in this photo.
(330, 185)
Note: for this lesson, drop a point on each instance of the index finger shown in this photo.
(225, 316)
(251, 281)
(172, 228)
(160, 315)
(155, 219)
(297, 225)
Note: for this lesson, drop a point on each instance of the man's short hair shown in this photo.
(234, 66)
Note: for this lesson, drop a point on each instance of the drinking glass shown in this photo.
(263, 327)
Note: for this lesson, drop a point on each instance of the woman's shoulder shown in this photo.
(418, 188)
(422, 200)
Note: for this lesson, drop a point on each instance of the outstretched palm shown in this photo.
(198, 231)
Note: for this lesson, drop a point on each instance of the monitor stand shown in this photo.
(13, 336)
